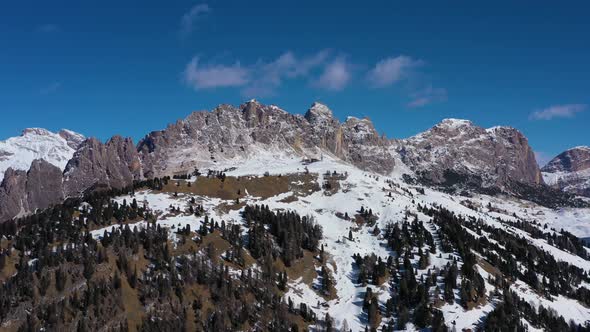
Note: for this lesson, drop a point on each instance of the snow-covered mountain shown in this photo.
(497, 156)
(453, 152)
(396, 250)
(36, 143)
(492, 157)
(206, 138)
(570, 171)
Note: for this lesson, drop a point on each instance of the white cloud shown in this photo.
(321, 69)
(271, 75)
(391, 70)
(188, 20)
(427, 96)
(213, 76)
(261, 78)
(558, 111)
(335, 76)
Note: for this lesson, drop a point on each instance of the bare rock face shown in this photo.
(364, 147)
(23, 192)
(326, 128)
(72, 138)
(12, 194)
(230, 132)
(44, 185)
(497, 155)
(114, 164)
(570, 171)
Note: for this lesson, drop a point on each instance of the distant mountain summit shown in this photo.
(37, 143)
(205, 139)
(457, 148)
(570, 171)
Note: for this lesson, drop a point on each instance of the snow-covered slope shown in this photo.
(392, 201)
(37, 143)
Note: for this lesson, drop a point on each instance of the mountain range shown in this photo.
(42, 168)
(249, 218)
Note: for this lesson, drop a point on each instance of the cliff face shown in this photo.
(240, 132)
(22, 192)
(12, 194)
(114, 164)
(570, 171)
(498, 155)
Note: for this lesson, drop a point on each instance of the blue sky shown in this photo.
(129, 67)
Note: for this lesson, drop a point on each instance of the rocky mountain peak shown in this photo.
(319, 113)
(454, 127)
(570, 171)
(36, 131)
(497, 155)
(73, 138)
(360, 129)
(230, 133)
(572, 160)
(254, 113)
(455, 123)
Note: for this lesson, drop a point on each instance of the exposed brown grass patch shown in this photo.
(214, 246)
(10, 266)
(231, 188)
(303, 268)
(489, 268)
(134, 311)
(289, 199)
(226, 207)
(331, 183)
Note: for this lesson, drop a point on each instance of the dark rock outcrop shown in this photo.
(114, 164)
(23, 192)
(12, 194)
(44, 185)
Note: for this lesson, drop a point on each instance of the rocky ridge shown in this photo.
(206, 139)
(229, 132)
